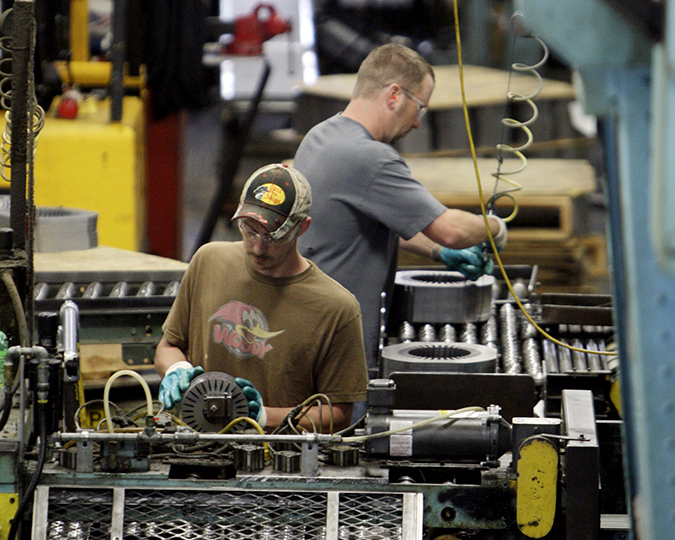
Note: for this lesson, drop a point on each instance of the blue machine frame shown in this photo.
(627, 80)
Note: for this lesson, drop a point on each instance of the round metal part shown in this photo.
(442, 296)
(287, 461)
(212, 401)
(439, 356)
(249, 457)
(344, 455)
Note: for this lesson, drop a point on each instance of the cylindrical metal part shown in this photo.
(171, 288)
(441, 296)
(249, 457)
(565, 358)
(474, 439)
(550, 356)
(120, 290)
(66, 291)
(578, 357)
(447, 333)
(427, 333)
(286, 461)
(468, 333)
(93, 290)
(509, 339)
(70, 321)
(438, 356)
(147, 288)
(212, 401)
(41, 291)
(344, 455)
(594, 362)
(407, 332)
(532, 358)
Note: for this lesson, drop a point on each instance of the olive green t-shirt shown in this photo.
(291, 337)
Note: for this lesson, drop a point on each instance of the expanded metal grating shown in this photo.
(135, 514)
(79, 514)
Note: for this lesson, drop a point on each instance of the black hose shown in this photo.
(18, 307)
(6, 409)
(27, 496)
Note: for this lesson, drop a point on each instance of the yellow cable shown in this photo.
(255, 424)
(482, 204)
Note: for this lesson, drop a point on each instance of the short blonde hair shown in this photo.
(388, 64)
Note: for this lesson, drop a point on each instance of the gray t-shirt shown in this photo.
(363, 198)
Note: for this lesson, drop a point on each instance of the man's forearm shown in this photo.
(167, 355)
(420, 244)
(320, 421)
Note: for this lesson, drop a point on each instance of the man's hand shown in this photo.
(176, 381)
(470, 261)
(256, 410)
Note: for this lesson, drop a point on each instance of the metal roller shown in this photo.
(469, 333)
(509, 339)
(447, 334)
(550, 357)
(407, 332)
(438, 356)
(427, 333)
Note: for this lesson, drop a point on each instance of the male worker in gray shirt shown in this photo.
(366, 202)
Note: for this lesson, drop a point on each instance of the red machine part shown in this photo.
(251, 30)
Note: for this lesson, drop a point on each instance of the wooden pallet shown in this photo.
(551, 191)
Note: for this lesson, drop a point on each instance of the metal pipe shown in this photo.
(193, 437)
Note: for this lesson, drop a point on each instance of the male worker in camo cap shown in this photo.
(260, 312)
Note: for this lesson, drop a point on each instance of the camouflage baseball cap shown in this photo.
(277, 196)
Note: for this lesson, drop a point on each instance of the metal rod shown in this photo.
(192, 437)
(117, 54)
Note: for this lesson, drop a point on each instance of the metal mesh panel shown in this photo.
(370, 516)
(224, 515)
(83, 514)
(79, 514)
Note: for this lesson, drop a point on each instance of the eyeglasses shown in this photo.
(254, 236)
(422, 108)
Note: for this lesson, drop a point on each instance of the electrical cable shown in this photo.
(106, 392)
(255, 424)
(28, 494)
(78, 427)
(19, 312)
(446, 415)
(483, 209)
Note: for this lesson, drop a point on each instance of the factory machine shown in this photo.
(466, 458)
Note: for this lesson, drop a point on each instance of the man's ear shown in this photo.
(304, 225)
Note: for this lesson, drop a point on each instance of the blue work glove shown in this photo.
(256, 410)
(470, 262)
(176, 381)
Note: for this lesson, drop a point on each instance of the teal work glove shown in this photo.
(469, 261)
(256, 410)
(176, 381)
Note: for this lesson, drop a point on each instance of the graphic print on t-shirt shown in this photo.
(242, 329)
